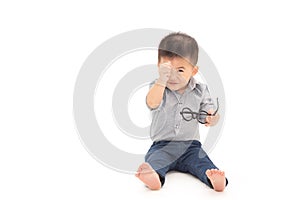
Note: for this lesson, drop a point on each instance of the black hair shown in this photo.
(179, 44)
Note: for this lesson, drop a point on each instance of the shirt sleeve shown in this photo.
(152, 109)
(207, 102)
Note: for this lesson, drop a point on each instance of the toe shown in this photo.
(145, 166)
(208, 172)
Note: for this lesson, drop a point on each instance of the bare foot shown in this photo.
(217, 179)
(148, 176)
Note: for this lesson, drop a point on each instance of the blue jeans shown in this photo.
(182, 156)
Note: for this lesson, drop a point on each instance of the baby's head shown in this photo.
(180, 51)
(179, 45)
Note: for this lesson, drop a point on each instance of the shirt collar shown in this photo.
(191, 84)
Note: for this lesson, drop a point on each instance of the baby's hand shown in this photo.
(212, 120)
(164, 71)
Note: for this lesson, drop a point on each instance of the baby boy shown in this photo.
(178, 104)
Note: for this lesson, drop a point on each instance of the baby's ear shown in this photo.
(195, 70)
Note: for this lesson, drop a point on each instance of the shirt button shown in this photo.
(180, 104)
(177, 126)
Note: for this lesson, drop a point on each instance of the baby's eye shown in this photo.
(181, 70)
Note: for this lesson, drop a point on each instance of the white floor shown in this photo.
(247, 180)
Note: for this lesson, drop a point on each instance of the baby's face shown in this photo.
(182, 71)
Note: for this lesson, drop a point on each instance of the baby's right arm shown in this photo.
(156, 92)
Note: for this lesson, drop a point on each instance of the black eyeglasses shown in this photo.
(188, 114)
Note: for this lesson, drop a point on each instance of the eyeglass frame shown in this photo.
(196, 115)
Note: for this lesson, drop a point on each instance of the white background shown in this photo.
(254, 45)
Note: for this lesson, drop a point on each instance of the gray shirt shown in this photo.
(167, 122)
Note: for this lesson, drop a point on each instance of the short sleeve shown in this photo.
(207, 102)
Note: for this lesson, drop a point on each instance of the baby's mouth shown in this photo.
(172, 83)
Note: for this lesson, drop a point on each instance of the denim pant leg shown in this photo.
(160, 159)
(195, 161)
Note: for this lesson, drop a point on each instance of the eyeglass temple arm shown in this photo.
(217, 107)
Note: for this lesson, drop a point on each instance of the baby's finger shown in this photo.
(165, 65)
(208, 119)
(165, 68)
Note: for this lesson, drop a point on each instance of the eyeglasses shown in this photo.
(188, 114)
